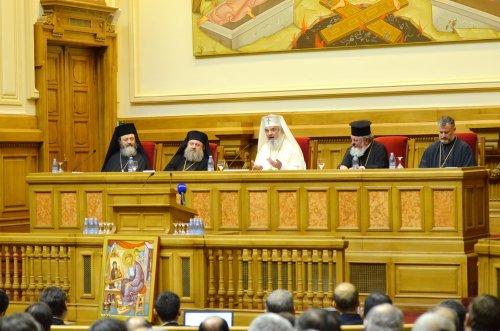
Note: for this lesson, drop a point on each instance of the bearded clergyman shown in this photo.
(192, 155)
(371, 154)
(124, 144)
(277, 148)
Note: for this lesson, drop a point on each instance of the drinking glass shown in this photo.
(135, 165)
(321, 164)
(400, 161)
(221, 165)
(60, 169)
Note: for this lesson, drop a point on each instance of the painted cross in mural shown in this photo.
(256, 26)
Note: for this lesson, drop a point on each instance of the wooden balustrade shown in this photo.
(242, 276)
(242, 270)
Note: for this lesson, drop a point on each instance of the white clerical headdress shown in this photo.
(271, 120)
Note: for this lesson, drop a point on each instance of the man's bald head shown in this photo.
(345, 297)
(213, 323)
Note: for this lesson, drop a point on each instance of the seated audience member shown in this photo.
(192, 155)
(41, 313)
(277, 148)
(373, 299)
(4, 302)
(459, 310)
(484, 313)
(346, 300)
(384, 317)
(56, 299)
(19, 322)
(432, 321)
(270, 322)
(371, 154)
(167, 308)
(446, 312)
(280, 301)
(289, 317)
(124, 144)
(108, 324)
(449, 150)
(213, 323)
(137, 323)
(318, 319)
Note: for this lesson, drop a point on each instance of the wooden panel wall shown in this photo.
(19, 143)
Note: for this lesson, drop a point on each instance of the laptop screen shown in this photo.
(195, 317)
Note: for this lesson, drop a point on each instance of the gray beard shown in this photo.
(193, 156)
(359, 152)
(128, 151)
(275, 144)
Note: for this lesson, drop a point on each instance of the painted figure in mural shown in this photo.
(133, 283)
(115, 273)
(231, 11)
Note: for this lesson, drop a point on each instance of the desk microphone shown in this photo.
(150, 175)
(181, 188)
(77, 166)
(238, 155)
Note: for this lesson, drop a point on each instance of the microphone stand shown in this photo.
(77, 166)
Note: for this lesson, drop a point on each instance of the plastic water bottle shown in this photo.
(392, 161)
(211, 166)
(355, 162)
(55, 169)
(130, 164)
(86, 226)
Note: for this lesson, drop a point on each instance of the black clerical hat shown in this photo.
(360, 128)
(127, 128)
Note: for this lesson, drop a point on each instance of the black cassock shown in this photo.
(178, 163)
(455, 154)
(114, 164)
(375, 157)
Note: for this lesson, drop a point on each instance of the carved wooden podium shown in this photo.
(61, 202)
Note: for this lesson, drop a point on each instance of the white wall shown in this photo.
(158, 75)
(17, 72)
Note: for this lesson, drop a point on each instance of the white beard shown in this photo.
(128, 151)
(275, 144)
(359, 152)
(193, 156)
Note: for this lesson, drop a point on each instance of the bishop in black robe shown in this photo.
(457, 153)
(115, 161)
(374, 157)
(179, 161)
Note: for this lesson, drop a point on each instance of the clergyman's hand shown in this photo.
(256, 166)
(276, 164)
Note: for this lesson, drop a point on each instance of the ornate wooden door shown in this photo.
(72, 107)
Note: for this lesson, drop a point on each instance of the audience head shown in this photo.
(459, 310)
(213, 323)
(270, 322)
(280, 301)
(137, 323)
(384, 317)
(346, 298)
(55, 298)
(446, 126)
(4, 302)
(108, 324)
(318, 319)
(41, 313)
(484, 313)
(432, 321)
(374, 299)
(19, 322)
(167, 306)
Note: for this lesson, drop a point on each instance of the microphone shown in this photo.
(181, 188)
(238, 155)
(150, 175)
(77, 166)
